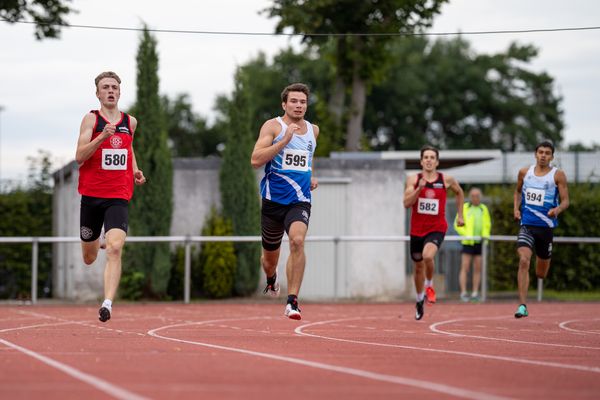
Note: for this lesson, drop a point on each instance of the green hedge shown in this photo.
(217, 259)
(574, 266)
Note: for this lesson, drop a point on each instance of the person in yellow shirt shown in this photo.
(477, 223)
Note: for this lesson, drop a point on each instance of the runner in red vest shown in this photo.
(107, 173)
(426, 194)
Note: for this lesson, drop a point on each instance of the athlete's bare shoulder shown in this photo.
(132, 123)
(315, 130)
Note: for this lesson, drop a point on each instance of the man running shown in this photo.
(107, 173)
(426, 194)
(536, 206)
(285, 146)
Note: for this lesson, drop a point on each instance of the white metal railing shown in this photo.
(188, 241)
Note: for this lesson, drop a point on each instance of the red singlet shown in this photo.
(108, 173)
(429, 211)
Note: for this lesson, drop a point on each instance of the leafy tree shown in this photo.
(265, 81)
(239, 190)
(189, 133)
(445, 94)
(27, 211)
(582, 147)
(359, 60)
(46, 14)
(151, 207)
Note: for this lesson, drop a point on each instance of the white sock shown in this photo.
(428, 283)
(107, 303)
(420, 296)
(474, 294)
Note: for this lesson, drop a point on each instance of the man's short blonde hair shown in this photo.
(107, 74)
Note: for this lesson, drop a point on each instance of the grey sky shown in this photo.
(46, 87)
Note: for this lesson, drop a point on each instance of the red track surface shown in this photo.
(338, 351)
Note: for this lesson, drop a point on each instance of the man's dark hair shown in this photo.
(294, 87)
(545, 143)
(429, 147)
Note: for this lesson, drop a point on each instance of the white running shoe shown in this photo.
(292, 311)
(272, 289)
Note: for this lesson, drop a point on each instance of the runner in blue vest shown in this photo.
(286, 146)
(537, 206)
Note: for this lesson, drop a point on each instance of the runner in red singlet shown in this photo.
(107, 173)
(425, 193)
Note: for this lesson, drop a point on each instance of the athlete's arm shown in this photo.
(563, 190)
(410, 192)
(265, 149)
(314, 183)
(452, 184)
(85, 145)
(517, 196)
(138, 175)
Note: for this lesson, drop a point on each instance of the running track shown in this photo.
(338, 351)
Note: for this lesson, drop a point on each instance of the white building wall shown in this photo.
(354, 198)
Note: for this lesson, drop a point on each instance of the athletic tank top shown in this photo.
(429, 211)
(108, 173)
(539, 195)
(287, 175)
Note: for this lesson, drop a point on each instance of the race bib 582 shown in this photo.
(428, 206)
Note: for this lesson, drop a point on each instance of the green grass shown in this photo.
(571, 296)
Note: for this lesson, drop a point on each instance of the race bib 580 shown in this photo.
(114, 159)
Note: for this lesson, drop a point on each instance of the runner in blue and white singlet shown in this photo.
(288, 175)
(285, 146)
(537, 206)
(539, 195)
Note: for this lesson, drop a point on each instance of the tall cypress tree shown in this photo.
(239, 191)
(152, 205)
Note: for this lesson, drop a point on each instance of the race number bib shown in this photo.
(114, 159)
(534, 197)
(295, 160)
(428, 206)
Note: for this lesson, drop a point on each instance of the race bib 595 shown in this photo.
(295, 160)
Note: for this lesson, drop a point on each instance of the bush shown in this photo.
(573, 267)
(217, 259)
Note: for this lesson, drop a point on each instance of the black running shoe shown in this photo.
(420, 311)
(272, 288)
(104, 314)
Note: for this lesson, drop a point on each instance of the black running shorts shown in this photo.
(96, 211)
(538, 239)
(417, 244)
(276, 218)
(473, 249)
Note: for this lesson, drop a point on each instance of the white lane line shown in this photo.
(100, 384)
(300, 331)
(425, 385)
(35, 326)
(563, 325)
(434, 328)
(82, 323)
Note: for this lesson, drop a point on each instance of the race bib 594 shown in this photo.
(534, 197)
